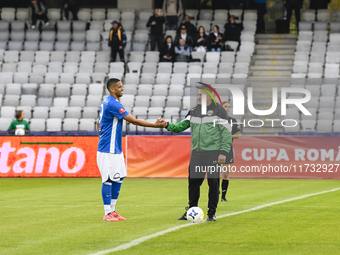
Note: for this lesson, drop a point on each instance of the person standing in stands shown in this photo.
(117, 41)
(37, 11)
(172, 9)
(19, 123)
(156, 22)
(261, 7)
(168, 50)
(291, 5)
(72, 6)
(232, 29)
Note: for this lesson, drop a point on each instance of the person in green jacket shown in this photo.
(19, 123)
(211, 143)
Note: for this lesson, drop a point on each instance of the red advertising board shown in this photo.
(255, 157)
(168, 156)
(46, 156)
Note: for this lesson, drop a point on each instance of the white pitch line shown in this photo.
(145, 238)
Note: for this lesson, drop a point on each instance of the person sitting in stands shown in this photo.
(183, 52)
(168, 50)
(201, 42)
(215, 40)
(185, 36)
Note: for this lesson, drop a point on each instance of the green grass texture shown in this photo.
(64, 216)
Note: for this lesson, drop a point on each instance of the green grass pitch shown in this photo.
(64, 216)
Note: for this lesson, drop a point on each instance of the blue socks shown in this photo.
(110, 193)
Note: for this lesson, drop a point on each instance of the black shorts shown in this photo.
(230, 156)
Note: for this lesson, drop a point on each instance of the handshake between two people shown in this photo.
(161, 123)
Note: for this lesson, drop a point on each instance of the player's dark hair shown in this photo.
(18, 114)
(225, 102)
(111, 82)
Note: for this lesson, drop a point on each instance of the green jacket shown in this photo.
(209, 132)
(18, 124)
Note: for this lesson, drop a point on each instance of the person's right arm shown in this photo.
(148, 24)
(138, 122)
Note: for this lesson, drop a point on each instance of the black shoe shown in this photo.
(224, 200)
(211, 218)
(184, 216)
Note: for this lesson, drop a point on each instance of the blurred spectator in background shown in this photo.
(19, 123)
(215, 40)
(191, 29)
(232, 29)
(183, 52)
(295, 5)
(172, 9)
(201, 41)
(236, 4)
(37, 11)
(261, 7)
(117, 41)
(168, 50)
(156, 22)
(188, 39)
(318, 4)
(72, 6)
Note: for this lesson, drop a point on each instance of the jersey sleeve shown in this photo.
(117, 110)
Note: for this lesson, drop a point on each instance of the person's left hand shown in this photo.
(120, 47)
(221, 159)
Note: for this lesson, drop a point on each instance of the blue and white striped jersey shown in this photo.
(111, 125)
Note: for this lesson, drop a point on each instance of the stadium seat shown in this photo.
(73, 112)
(77, 100)
(94, 100)
(57, 112)
(166, 67)
(11, 100)
(40, 112)
(90, 113)
(37, 124)
(7, 112)
(87, 124)
(29, 89)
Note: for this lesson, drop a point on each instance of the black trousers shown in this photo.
(156, 40)
(261, 11)
(73, 9)
(114, 51)
(172, 22)
(296, 7)
(35, 17)
(202, 159)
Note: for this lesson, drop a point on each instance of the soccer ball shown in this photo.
(19, 131)
(195, 215)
